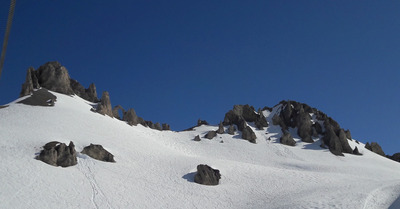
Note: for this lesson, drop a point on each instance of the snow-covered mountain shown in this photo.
(155, 169)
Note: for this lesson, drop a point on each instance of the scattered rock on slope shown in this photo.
(211, 134)
(248, 134)
(231, 129)
(220, 128)
(58, 154)
(97, 152)
(206, 175)
(287, 138)
(197, 138)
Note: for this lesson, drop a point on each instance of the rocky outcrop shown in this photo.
(116, 110)
(220, 128)
(304, 126)
(207, 176)
(375, 147)
(58, 154)
(40, 97)
(287, 138)
(27, 87)
(211, 134)
(166, 127)
(97, 152)
(157, 126)
(395, 157)
(201, 122)
(248, 134)
(231, 129)
(239, 115)
(104, 107)
(298, 115)
(130, 117)
(55, 77)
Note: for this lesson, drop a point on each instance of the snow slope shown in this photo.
(155, 169)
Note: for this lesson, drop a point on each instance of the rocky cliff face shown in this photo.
(55, 77)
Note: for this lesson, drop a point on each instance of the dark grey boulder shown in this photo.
(231, 129)
(249, 135)
(304, 126)
(375, 147)
(197, 138)
(166, 127)
(332, 140)
(211, 134)
(97, 152)
(344, 142)
(104, 107)
(356, 152)
(287, 138)
(206, 175)
(58, 154)
(220, 128)
(40, 97)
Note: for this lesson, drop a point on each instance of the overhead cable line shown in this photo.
(7, 34)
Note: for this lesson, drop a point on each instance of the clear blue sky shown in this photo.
(178, 61)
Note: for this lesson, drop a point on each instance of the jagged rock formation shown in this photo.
(116, 110)
(40, 97)
(97, 152)
(202, 122)
(158, 126)
(131, 118)
(248, 134)
(242, 114)
(55, 77)
(104, 107)
(210, 134)
(298, 115)
(287, 138)
(375, 147)
(206, 175)
(58, 154)
(395, 157)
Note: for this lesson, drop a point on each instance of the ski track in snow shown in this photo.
(99, 200)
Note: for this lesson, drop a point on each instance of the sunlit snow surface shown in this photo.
(155, 169)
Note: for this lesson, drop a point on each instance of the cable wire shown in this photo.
(7, 34)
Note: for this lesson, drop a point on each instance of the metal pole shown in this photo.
(7, 34)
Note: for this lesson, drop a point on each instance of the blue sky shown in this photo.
(178, 61)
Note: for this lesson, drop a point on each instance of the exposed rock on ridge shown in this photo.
(55, 77)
